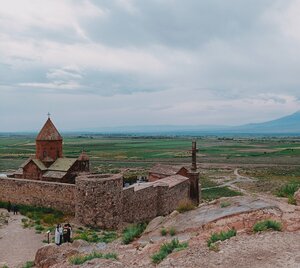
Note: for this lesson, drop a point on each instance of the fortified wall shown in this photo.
(100, 200)
(59, 196)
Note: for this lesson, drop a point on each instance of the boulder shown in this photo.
(297, 197)
(52, 254)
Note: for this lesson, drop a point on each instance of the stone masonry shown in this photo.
(59, 196)
(100, 200)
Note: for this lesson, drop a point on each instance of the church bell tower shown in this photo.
(48, 143)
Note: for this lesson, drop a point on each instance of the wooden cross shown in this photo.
(48, 114)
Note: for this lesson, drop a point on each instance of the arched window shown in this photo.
(44, 154)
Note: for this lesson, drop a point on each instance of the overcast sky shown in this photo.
(125, 62)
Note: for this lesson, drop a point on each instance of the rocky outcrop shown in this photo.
(297, 197)
(52, 254)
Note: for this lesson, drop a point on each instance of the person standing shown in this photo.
(13, 207)
(9, 206)
(58, 234)
(67, 232)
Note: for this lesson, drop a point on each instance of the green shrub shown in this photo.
(288, 189)
(25, 225)
(215, 193)
(292, 200)
(172, 231)
(185, 205)
(163, 232)
(225, 204)
(5, 266)
(80, 259)
(133, 231)
(92, 236)
(221, 236)
(39, 228)
(40, 215)
(214, 247)
(28, 264)
(49, 219)
(24, 220)
(267, 225)
(166, 249)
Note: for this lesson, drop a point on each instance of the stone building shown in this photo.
(159, 172)
(49, 163)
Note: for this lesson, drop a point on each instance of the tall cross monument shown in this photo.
(194, 177)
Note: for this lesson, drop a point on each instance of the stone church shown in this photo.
(49, 163)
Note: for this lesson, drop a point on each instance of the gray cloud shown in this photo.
(175, 61)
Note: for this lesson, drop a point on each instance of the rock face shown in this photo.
(52, 254)
(297, 197)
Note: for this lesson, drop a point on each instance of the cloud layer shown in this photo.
(132, 62)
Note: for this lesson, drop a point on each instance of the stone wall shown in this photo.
(59, 196)
(49, 148)
(139, 203)
(32, 172)
(99, 200)
(148, 200)
(168, 199)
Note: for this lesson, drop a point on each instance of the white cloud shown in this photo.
(54, 85)
(19, 16)
(150, 62)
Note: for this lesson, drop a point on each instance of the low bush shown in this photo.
(166, 249)
(93, 236)
(220, 236)
(292, 200)
(267, 225)
(185, 205)
(214, 247)
(163, 232)
(225, 204)
(288, 189)
(40, 215)
(80, 259)
(215, 193)
(172, 231)
(39, 228)
(132, 232)
(28, 264)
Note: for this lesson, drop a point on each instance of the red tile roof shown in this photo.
(49, 132)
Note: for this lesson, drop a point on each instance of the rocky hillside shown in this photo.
(246, 249)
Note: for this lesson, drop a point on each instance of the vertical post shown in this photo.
(194, 176)
(48, 235)
(194, 155)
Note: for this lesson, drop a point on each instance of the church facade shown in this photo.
(48, 164)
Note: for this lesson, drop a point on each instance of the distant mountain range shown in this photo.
(286, 125)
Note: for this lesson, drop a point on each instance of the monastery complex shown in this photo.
(66, 184)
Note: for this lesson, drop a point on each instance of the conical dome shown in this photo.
(49, 132)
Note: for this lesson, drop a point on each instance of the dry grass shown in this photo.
(185, 205)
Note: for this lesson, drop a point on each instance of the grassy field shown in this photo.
(116, 152)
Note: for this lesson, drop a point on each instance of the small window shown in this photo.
(44, 153)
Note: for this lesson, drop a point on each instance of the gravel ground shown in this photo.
(265, 250)
(17, 245)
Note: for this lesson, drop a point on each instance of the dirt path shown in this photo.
(18, 245)
(231, 183)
